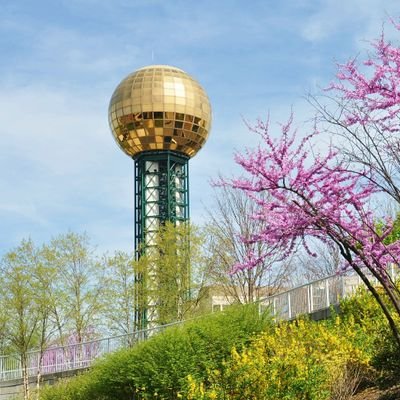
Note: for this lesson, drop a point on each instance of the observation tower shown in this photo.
(161, 117)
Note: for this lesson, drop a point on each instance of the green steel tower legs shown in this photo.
(161, 195)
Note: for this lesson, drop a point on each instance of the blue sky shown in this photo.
(61, 60)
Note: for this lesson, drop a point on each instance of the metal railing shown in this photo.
(305, 299)
(311, 297)
(71, 356)
(315, 296)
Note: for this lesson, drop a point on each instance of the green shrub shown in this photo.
(374, 333)
(239, 354)
(301, 360)
(64, 390)
(158, 367)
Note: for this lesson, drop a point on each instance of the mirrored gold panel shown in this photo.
(160, 107)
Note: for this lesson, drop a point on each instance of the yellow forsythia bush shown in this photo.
(300, 360)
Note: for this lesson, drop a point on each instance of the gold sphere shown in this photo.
(159, 107)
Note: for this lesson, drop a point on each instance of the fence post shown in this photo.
(289, 307)
(56, 361)
(327, 293)
(343, 285)
(274, 306)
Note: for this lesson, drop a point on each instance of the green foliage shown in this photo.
(25, 302)
(374, 332)
(158, 367)
(119, 294)
(167, 272)
(64, 390)
(213, 337)
(306, 360)
(23, 298)
(80, 283)
(395, 234)
(301, 360)
(239, 355)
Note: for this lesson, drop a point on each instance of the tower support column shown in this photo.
(161, 195)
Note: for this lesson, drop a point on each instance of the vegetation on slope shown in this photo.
(158, 368)
(239, 355)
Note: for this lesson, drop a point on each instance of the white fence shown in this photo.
(305, 299)
(311, 297)
(317, 295)
(71, 357)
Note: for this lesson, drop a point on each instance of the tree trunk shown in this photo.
(25, 376)
(38, 379)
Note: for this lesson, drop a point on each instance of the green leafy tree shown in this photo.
(169, 277)
(25, 303)
(80, 279)
(119, 295)
(3, 323)
(394, 235)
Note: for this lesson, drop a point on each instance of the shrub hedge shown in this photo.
(158, 368)
(239, 354)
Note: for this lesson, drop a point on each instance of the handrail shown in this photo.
(72, 356)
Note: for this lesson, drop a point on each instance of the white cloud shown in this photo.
(27, 211)
(331, 17)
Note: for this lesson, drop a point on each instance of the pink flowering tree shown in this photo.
(366, 93)
(317, 197)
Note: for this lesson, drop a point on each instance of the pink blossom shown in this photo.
(375, 93)
(311, 197)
